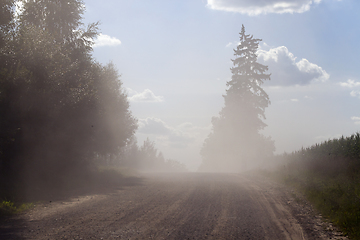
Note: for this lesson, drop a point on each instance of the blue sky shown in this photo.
(174, 58)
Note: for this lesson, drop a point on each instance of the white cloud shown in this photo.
(146, 96)
(181, 136)
(232, 44)
(350, 84)
(106, 40)
(286, 71)
(153, 126)
(294, 100)
(355, 94)
(356, 120)
(256, 7)
(130, 91)
(174, 137)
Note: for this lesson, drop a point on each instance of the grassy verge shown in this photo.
(328, 174)
(337, 198)
(100, 180)
(8, 208)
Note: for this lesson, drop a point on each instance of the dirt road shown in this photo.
(177, 206)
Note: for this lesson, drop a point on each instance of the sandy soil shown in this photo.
(177, 206)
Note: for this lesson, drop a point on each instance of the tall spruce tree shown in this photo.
(236, 143)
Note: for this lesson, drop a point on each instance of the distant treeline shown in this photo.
(329, 175)
(145, 158)
(61, 112)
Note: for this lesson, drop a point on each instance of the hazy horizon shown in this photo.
(174, 58)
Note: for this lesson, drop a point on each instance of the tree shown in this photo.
(175, 166)
(235, 142)
(60, 18)
(59, 109)
(148, 156)
(149, 159)
(130, 154)
(6, 15)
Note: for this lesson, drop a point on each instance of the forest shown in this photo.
(62, 113)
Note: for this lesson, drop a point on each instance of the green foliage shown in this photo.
(59, 109)
(6, 16)
(329, 176)
(9, 208)
(60, 18)
(235, 143)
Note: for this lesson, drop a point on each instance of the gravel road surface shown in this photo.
(177, 206)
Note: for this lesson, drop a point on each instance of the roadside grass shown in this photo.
(100, 179)
(337, 199)
(8, 208)
(328, 175)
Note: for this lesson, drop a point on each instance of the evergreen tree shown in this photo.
(235, 143)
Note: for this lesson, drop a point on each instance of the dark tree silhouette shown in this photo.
(235, 143)
(149, 159)
(60, 18)
(59, 109)
(6, 15)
